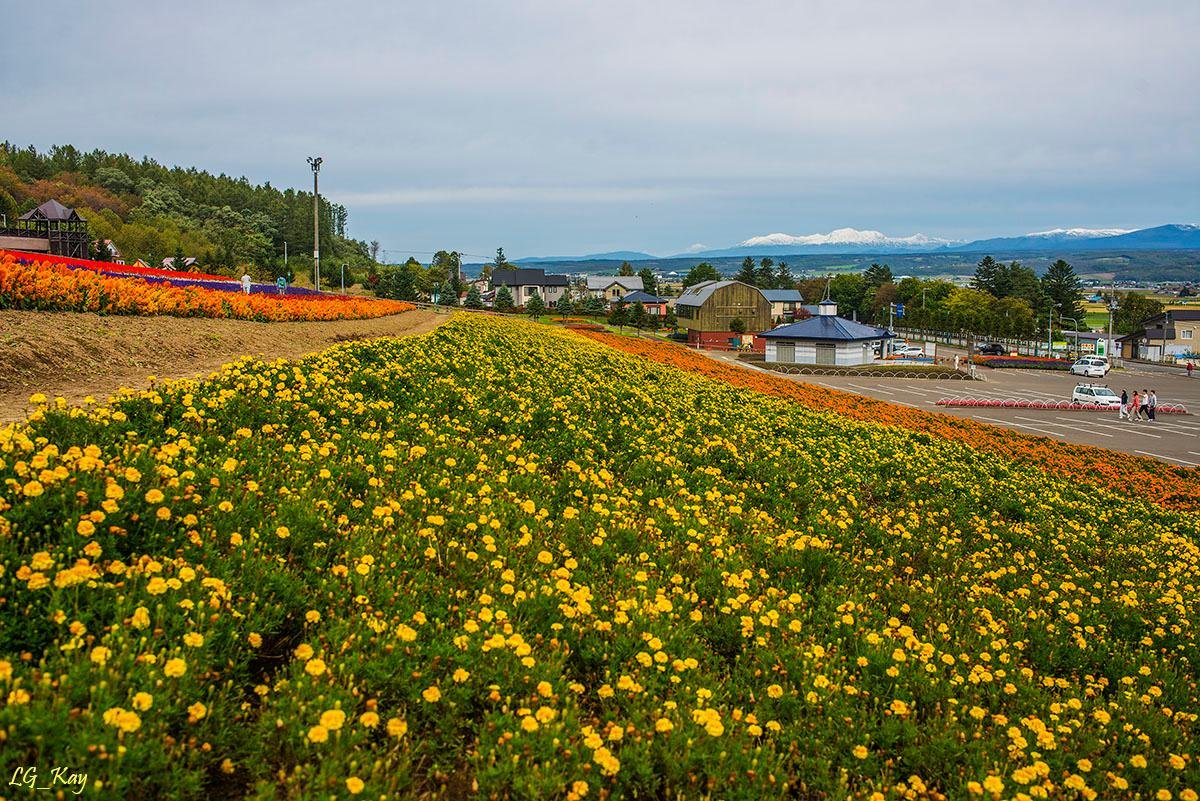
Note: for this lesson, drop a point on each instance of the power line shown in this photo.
(430, 252)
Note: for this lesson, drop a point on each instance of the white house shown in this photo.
(825, 339)
(612, 287)
(525, 283)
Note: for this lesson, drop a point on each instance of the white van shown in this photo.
(1094, 366)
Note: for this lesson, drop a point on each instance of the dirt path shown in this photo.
(75, 355)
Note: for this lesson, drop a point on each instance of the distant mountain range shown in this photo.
(612, 255)
(851, 241)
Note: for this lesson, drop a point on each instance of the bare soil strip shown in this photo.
(74, 355)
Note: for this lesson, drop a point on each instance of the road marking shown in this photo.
(869, 389)
(1073, 428)
(1171, 429)
(1169, 458)
(1128, 427)
(1006, 423)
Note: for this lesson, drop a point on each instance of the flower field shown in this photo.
(47, 286)
(1176, 487)
(504, 561)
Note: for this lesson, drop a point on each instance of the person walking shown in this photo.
(246, 280)
(1152, 406)
(1135, 407)
(1124, 413)
(1190, 368)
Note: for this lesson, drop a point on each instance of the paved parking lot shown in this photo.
(1173, 438)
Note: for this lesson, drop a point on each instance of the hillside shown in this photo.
(151, 211)
(502, 561)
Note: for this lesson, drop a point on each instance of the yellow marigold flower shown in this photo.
(163, 513)
(461, 675)
(528, 723)
(193, 639)
(132, 475)
(5, 670)
(142, 701)
(663, 725)
(1102, 717)
(100, 655)
(174, 668)
(196, 712)
(775, 691)
(354, 785)
(303, 651)
(37, 397)
(397, 727)
(1178, 762)
(545, 714)
(333, 719)
(318, 734)
(369, 719)
(312, 616)
(432, 694)
(315, 667)
(282, 532)
(899, 707)
(255, 639)
(899, 655)
(85, 528)
(545, 689)
(860, 752)
(229, 465)
(154, 496)
(18, 697)
(141, 618)
(32, 489)
(406, 632)
(545, 557)
(1163, 795)
(1138, 761)
(994, 785)
(1188, 794)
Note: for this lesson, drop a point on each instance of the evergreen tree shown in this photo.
(783, 277)
(446, 294)
(764, 276)
(535, 306)
(1132, 309)
(877, 275)
(985, 276)
(748, 274)
(593, 306)
(504, 300)
(1015, 280)
(178, 260)
(700, 273)
(1062, 287)
(396, 283)
(737, 325)
(626, 269)
(637, 316)
(565, 307)
(501, 262)
(670, 320)
(474, 298)
(649, 282)
(618, 315)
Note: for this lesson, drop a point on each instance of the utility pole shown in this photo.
(1112, 311)
(285, 257)
(315, 163)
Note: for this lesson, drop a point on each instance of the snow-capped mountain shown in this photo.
(1163, 237)
(1079, 233)
(844, 236)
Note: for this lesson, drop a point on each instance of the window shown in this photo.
(1185, 333)
(684, 312)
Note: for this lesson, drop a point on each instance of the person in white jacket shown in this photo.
(246, 283)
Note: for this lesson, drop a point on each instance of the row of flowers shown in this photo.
(1175, 487)
(1027, 362)
(503, 561)
(48, 286)
(152, 274)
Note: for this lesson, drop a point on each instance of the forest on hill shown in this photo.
(150, 211)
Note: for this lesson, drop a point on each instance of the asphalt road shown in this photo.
(1173, 438)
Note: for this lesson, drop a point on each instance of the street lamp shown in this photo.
(1112, 312)
(343, 279)
(1076, 324)
(315, 163)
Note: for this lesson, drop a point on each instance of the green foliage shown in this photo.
(637, 316)
(564, 306)
(396, 283)
(474, 298)
(626, 269)
(504, 299)
(150, 211)
(618, 315)
(1062, 287)
(700, 273)
(501, 261)
(737, 325)
(1132, 309)
(649, 282)
(535, 306)
(748, 273)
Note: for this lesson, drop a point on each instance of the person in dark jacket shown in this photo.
(1124, 413)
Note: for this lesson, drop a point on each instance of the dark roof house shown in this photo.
(527, 276)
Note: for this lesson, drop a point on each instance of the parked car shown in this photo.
(1093, 366)
(909, 352)
(1096, 395)
(991, 349)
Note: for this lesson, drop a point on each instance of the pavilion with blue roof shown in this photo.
(825, 339)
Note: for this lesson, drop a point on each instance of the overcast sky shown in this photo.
(562, 127)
